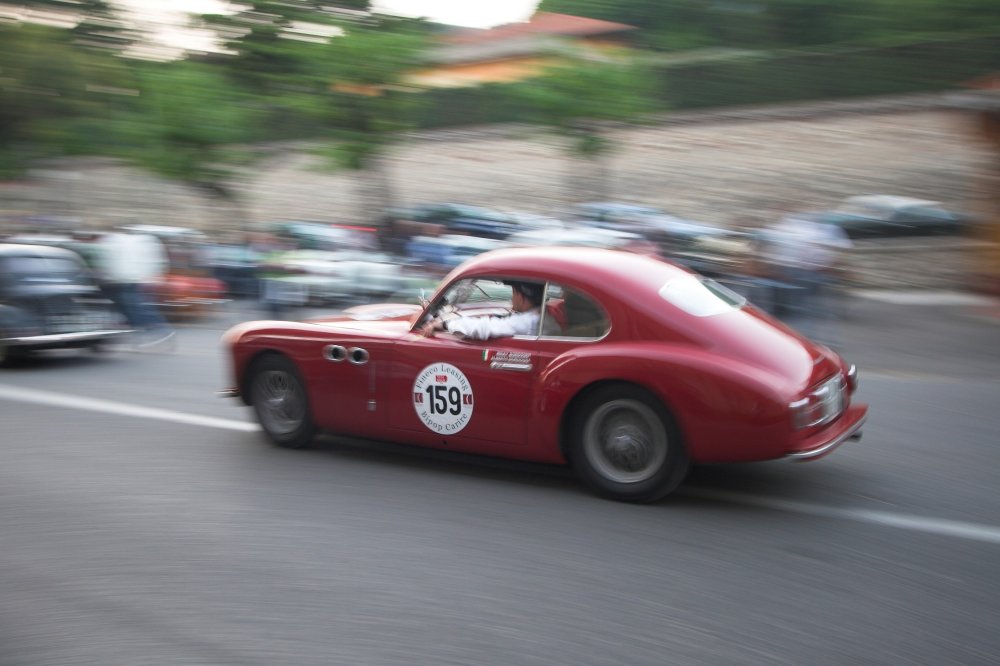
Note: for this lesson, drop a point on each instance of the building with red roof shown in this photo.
(517, 51)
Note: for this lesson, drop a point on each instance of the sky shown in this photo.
(165, 18)
(468, 13)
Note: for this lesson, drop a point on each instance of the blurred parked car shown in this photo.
(879, 215)
(48, 300)
(237, 267)
(532, 222)
(321, 277)
(326, 236)
(459, 219)
(188, 288)
(717, 256)
(442, 253)
(673, 235)
(52, 240)
(584, 237)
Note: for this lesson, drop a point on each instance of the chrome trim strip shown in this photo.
(64, 337)
(829, 446)
(516, 367)
(228, 393)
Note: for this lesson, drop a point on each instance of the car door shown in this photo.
(479, 395)
(465, 394)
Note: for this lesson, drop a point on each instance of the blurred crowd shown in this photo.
(793, 267)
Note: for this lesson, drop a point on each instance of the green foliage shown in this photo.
(186, 119)
(368, 105)
(98, 24)
(672, 25)
(49, 89)
(777, 77)
(576, 98)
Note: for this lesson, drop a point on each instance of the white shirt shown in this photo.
(131, 258)
(484, 328)
(804, 243)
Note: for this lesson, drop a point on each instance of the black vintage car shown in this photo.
(49, 301)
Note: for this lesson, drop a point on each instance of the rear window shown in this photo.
(700, 297)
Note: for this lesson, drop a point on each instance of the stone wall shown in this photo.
(729, 169)
(937, 263)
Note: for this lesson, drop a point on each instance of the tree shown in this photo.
(273, 47)
(51, 96)
(186, 126)
(579, 100)
(672, 25)
(338, 82)
(369, 106)
(93, 23)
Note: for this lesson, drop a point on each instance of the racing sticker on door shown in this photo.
(442, 396)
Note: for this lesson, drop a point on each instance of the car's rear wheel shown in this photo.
(626, 446)
(279, 398)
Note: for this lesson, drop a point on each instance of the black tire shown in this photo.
(280, 400)
(626, 446)
(11, 357)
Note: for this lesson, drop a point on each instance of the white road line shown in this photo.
(941, 527)
(925, 297)
(108, 407)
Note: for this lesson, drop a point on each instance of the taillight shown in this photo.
(821, 405)
(852, 378)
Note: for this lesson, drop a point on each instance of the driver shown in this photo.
(526, 301)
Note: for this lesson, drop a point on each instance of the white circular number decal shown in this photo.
(442, 397)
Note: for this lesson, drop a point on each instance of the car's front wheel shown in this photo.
(280, 401)
(11, 356)
(626, 446)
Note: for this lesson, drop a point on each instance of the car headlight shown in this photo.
(822, 405)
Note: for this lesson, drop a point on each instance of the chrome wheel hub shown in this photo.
(625, 441)
(279, 401)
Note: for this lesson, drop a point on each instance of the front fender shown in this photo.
(725, 408)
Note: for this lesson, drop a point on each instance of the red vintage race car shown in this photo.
(637, 370)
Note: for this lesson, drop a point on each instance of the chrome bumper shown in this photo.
(63, 338)
(854, 432)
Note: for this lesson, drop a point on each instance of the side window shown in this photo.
(572, 314)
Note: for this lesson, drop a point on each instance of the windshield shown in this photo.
(700, 296)
(475, 292)
(35, 269)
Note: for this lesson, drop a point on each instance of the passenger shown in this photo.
(526, 301)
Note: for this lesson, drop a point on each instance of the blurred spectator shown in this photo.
(128, 264)
(800, 273)
(277, 294)
(236, 265)
(86, 243)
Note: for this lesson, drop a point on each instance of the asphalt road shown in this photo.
(144, 521)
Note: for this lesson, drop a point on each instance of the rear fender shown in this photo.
(711, 398)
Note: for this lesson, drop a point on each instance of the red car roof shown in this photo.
(607, 271)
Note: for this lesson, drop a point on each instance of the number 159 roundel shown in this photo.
(635, 370)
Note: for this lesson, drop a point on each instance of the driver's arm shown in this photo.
(484, 328)
(433, 326)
